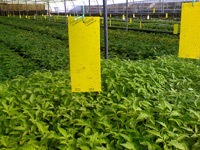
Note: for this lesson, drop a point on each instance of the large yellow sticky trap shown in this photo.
(84, 45)
(190, 31)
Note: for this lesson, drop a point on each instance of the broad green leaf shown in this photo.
(32, 98)
(156, 133)
(151, 126)
(129, 145)
(181, 146)
(178, 121)
(143, 115)
(175, 113)
(84, 147)
(188, 129)
(162, 124)
(196, 113)
(100, 148)
(125, 137)
(159, 140)
(63, 132)
(168, 105)
(5, 141)
(19, 128)
(182, 137)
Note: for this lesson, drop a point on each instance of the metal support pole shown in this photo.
(48, 13)
(36, 10)
(18, 8)
(89, 9)
(13, 8)
(105, 28)
(65, 11)
(126, 15)
(26, 7)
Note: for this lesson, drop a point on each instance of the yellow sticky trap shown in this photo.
(175, 31)
(189, 46)
(154, 10)
(100, 14)
(131, 20)
(20, 16)
(84, 45)
(166, 15)
(140, 24)
(110, 15)
(110, 22)
(123, 17)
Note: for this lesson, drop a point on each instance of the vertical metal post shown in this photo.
(48, 13)
(89, 9)
(105, 28)
(7, 10)
(18, 8)
(126, 15)
(65, 11)
(26, 7)
(12, 8)
(36, 10)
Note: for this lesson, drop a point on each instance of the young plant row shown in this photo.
(128, 45)
(45, 51)
(151, 104)
(12, 64)
(44, 27)
(144, 25)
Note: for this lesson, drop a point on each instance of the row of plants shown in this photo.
(12, 64)
(44, 27)
(46, 52)
(144, 25)
(148, 104)
(128, 45)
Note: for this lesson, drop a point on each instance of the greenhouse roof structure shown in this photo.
(57, 6)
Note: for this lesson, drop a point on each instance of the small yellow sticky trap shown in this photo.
(110, 15)
(189, 46)
(140, 24)
(123, 17)
(154, 10)
(175, 31)
(166, 15)
(110, 22)
(131, 20)
(84, 45)
(100, 14)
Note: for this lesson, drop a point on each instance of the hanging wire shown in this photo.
(193, 3)
(83, 13)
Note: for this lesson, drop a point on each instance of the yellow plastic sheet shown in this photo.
(190, 31)
(84, 44)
